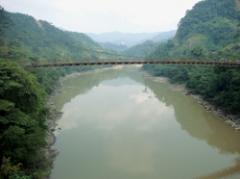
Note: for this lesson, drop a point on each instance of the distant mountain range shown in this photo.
(113, 39)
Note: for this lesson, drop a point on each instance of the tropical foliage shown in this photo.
(22, 121)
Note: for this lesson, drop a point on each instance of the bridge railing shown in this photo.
(139, 62)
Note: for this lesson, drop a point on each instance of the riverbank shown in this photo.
(51, 152)
(232, 120)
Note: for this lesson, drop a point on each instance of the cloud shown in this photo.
(106, 15)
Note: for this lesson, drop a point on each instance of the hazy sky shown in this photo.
(105, 15)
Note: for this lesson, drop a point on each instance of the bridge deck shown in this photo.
(136, 62)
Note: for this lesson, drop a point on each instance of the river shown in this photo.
(122, 124)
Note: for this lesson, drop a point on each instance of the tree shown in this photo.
(22, 119)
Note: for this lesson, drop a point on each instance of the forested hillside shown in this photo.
(211, 30)
(22, 124)
(28, 38)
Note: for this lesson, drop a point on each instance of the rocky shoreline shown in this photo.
(53, 116)
(232, 120)
(51, 152)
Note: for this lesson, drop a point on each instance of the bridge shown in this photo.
(139, 62)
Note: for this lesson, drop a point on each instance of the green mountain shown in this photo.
(218, 21)
(28, 38)
(211, 30)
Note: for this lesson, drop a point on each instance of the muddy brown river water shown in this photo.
(120, 124)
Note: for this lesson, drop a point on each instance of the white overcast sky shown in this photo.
(105, 15)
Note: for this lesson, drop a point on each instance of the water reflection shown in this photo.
(200, 125)
(77, 84)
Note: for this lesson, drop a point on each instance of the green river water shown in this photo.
(122, 124)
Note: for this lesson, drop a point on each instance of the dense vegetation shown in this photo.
(22, 121)
(29, 39)
(211, 30)
(23, 92)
